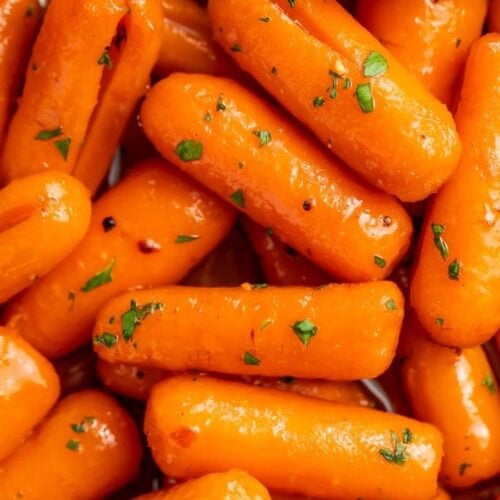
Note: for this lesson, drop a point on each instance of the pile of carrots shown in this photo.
(249, 250)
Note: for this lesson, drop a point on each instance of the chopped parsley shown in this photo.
(106, 339)
(292, 3)
(73, 445)
(81, 427)
(46, 135)
(186, 238)
(264, 137)
(259, 285)
(251, 359)
(101, 278)
(391, 305)
(379, 261)
(132, 318)
(364, 97)
(375, 64)
(265, 324)
(63, 146)
(398, 454)
(347, 83)
(439, 321)
(264, 19)
(207, 117)
(439, 243)
(318, 101)
(305, 330)
(219, 105)
(238, 198)
(454, 270)
(489, 383)
(407, 436)
(236, 48)
(105, 59)
(189, 150)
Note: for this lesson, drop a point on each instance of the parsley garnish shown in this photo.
(265, 323)
(264, 19)
(375, 64)
(489, 383)
(391, 305)
(63, 146)
(81, 428)
(439, 243)
(220, 106)
(106, 339)
(73, 445)
(236, 48)
(207, 117)
(46, 135)
(305, 330)
(186, 238)
(264, 136)
(238, 198)
(189, 150)
(105, 59)
(318, 101)
(292, 3)
(101, 278)
(364, 97)
(407, 436)
(251, 359)
(439, 321)
(454, 270)
(132, 318)
(398, 455)
(379, 261)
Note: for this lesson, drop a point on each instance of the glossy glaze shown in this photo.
(469, 209)
(211, 329)
(408, 145)
(348, 223)
(324, 449)
(455, 389)
(108, 454)
(151, 206)
(42, 218)
(29, 387)
(431, 39)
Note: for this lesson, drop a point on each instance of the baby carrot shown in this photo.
(494, 16)
(290, 442)
(231, 485)
(252, 156)
(347, 89)
(431, 39)
(42, 218)
(19, 21)
(455, 390)
(303, 332)
(87, 448)
(28, 389)
(150, 229)
(456, 283)
(280, 263)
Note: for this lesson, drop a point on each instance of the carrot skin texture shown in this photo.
(408, 145)
(494, 16)
(29, 387)
(42, 219)
(431, 39)
(107, 454)
(19, 22)
(140, 250)
(288, 184)
(128, 82)
(254, 428)
(456, 391)
(468, 209)
(211, 329)
(231, 485)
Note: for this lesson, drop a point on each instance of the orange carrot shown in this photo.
(29, 387)
(87, 448)
(347, 89)
(303, 332)
(42, 219)
(151, 229)
(455, 287)
(290, 442)
(251, 155)
(456, 391)
(494, 16)
(431, 39)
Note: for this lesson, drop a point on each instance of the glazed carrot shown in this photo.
(431, 39)
(281, 264)
(19, 22)
(494, 16)
(296, 331)
(187, 43)
(290, 442)
(442, 495)
(42, 219)
(231, 485)
(456, 391)
(457, 276)
(151, 229)
(87, 448)
(129, 380)
(28, 388)
(248, 153)
(347, 89)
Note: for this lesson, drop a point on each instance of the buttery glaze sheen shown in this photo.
(288, 184)
(59, 462)
(42, 219)
(29, 387)
(149, 209)
(408, 145)
(457, 298)
(19, 21)
(455, 390)
(325, 450)
(249, 330)
(431, 39)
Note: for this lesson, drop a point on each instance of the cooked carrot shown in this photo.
(151, 229)
(442, 495)
(455, 390)
(431, 39)
(19, 22)
(348, 89)
(87, 448)
(455, 287)
(281, 264)
(296, 331)
(42, 218)
(252, 156)
(29, 387)
(494, 16)
(231, 485)
(290, 442)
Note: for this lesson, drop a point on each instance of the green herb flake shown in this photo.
(264, 137)
(186, 238)
(189, 150)
(439, 321)
(305, 330)
(219, 105)
(265, 324)
(292, 3)
(364, 97)
(375, 64)
(259, 285)
(46, 135)
(73, 445)
(463, 467)
(489, 383)
(207, 117)
(398, 454)
(236, 48)
(105, 59)
(106, 339)
(264, 19)
(347, 83)
(101, 278)
(132, 318)
(238, 198)
(391, 305)
(318, 101)
(438, 231)
(379, 261)
(63, 146)
(251, 359)
(407, 436)
(333, 93)
(454, 270)
(81, 427)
